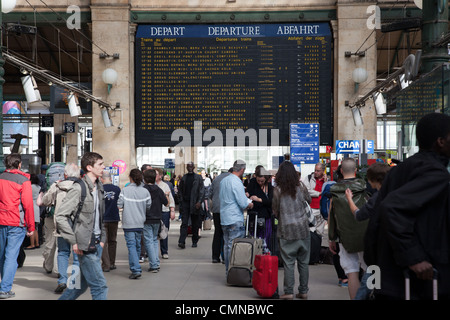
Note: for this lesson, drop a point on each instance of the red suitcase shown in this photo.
(265, 276)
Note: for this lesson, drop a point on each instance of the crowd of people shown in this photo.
(397, 219)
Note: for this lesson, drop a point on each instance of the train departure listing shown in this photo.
(232, 77)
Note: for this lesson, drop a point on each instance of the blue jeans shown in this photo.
(64, 249)
(151, 244)
(133, 240)
(90, 275)
(363, 292)
(164, 244)
(11, 239)
(231, 232)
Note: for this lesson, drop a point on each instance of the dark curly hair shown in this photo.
(287, 178)
(137, 176)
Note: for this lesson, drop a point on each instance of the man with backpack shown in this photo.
(343, 226)
(53, 199)
(88, 234)
(53, 173)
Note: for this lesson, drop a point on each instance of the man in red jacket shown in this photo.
(16, 219)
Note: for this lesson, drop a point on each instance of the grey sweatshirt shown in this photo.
(134, 200)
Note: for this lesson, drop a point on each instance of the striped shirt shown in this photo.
(134, 200)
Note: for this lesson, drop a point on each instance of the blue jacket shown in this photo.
(112, 193)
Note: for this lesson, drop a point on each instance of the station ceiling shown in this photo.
(49, 44)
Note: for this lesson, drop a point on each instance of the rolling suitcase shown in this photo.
(408, 287)
(265, 276)
(242, 257)
(316, 241)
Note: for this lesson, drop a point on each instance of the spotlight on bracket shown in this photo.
(357, 117)
(74, 106)
(31, 90)
(107, 122)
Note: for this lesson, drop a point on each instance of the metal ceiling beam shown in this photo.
(42, 74)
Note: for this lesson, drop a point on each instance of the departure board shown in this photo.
(232, 77)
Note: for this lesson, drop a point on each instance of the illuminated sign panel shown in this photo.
(232, 77)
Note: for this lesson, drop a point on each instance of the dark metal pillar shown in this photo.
(435, 26)
(2, 81)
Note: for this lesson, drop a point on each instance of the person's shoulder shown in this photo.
(111, 187)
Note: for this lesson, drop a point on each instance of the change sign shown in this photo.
(354, 146)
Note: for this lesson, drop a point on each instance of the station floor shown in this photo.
(188, 274)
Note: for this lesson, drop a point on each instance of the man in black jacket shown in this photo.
(191, 192)
(153, 219)
(411, 229)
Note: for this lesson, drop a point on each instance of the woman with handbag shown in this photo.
(293, 228)
(260, 191)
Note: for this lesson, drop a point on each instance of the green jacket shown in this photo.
(85, 223)
(342, 224)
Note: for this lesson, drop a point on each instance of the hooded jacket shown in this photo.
(412, 224)
(342, 223)
(54, 196)
(84, 226)
(16, 200)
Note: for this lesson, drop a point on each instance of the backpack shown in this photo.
(54, 173)
(325, 201)
(350, 231)
(80, 204)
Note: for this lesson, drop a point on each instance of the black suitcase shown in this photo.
(406, 273)
(316, 243)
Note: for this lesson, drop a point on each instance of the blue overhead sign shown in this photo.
(304, 143)
(169, 163)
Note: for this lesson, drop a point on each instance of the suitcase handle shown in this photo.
(247, 235)
(406, 273)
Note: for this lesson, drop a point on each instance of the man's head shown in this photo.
(71, 170)
(106, 177)
(239, 168)
(348, 168)
(150, 176)
(146, 167)
(13, 161)
(159, 174)
(92, 163)
(433, 133)
(319, 170)
(190, 167)
(376, 173)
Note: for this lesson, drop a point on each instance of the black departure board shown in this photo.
(231, 77)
